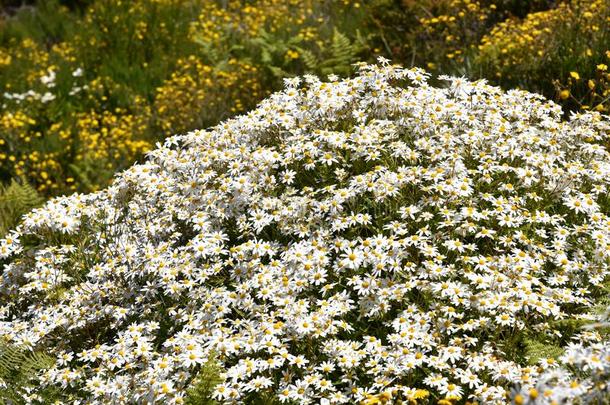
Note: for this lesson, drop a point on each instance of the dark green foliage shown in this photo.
(336, 58)
(45, 21)
(16, 199)
(203, 385)
(17, 369)
(536, 350)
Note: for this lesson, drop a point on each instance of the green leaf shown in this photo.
(16, 199)
(536, 350)
(202, 387)
(18, 370)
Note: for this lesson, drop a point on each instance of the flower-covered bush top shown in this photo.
(368, 239)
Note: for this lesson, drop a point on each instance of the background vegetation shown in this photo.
(89, 86)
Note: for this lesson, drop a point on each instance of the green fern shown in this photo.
(538, 347)
(309, 59)
(338, 57)
(341, 49)
(18, 367)
(536, 350)
(208, 377)
(16, 199)
(271, 49)
(203, 385)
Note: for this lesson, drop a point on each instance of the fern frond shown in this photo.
(341, 48)
(34, 362)
(342, 53)
(16, 199)
(203, 385)
(309, 59)
(18, 368)
(536, 350)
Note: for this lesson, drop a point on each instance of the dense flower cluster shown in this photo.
(365, 239)
(524, 51)
(453, 29)
(196, 92)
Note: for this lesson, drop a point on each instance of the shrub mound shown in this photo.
(371, 239)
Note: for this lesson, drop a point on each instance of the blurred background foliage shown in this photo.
(88, 86)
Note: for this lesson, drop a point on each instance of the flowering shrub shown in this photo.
(73, 88)
(37, 86)
(448, 31)
(444, 34)
(196, 94)
(562, 52)
(369, 239)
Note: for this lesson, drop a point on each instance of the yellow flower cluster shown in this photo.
(109, 136)
(197, 94)
(5, 58)
(516, 42)
(249, 18)
(68, 120)
(450, 28)
(32, 144)
(569, 43)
